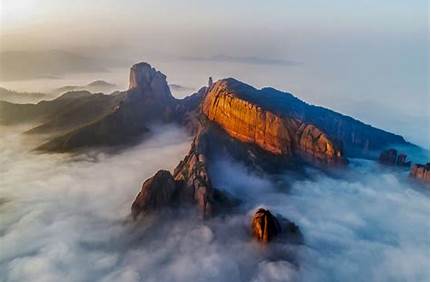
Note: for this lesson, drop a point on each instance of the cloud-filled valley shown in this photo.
(67, 218)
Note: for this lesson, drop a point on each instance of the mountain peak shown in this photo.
(143, 75)
(149, 81)
(100, 83)
(231, 104)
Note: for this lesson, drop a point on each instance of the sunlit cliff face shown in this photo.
(251, 123)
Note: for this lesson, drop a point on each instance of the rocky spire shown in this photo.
(144, 77)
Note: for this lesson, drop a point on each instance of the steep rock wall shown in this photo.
(272, 132)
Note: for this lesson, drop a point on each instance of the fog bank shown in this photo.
(66, 219)
(370, 225)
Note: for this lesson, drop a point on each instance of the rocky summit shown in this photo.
(149, 81)
(352, 136)
(227, 105)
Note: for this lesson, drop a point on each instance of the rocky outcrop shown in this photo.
(156, 192)
(230, 106)
(421, 172)
(266, 227)
(356, 138)
(187, 111)
(393, 158)
(146, 78)
(314, 145)
(190, 183)
(192, 177)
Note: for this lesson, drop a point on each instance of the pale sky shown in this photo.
(41, 23)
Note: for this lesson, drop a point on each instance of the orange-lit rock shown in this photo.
(156, 192)
(265, 226)
(280, 135)
(192, 177)
(421, 172)
(189, 183)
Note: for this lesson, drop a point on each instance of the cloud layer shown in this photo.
(66, 219)
(372, 224)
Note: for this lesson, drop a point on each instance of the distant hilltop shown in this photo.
(95, 86)
(21, 97)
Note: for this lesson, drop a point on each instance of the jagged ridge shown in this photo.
(355, 137)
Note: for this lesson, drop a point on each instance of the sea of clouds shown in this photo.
(66, 218)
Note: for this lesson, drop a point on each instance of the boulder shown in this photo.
(264, 226)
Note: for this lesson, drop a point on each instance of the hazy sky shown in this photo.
(369, 59)
(185, 23)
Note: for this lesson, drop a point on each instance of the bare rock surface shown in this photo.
(251, 123)
(393, 158)
(421, 172)
(266, 227)
(156, 193)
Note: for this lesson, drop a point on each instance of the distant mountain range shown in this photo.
(20, 97)
(94, 87)
(80, 119)
(98, 86)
